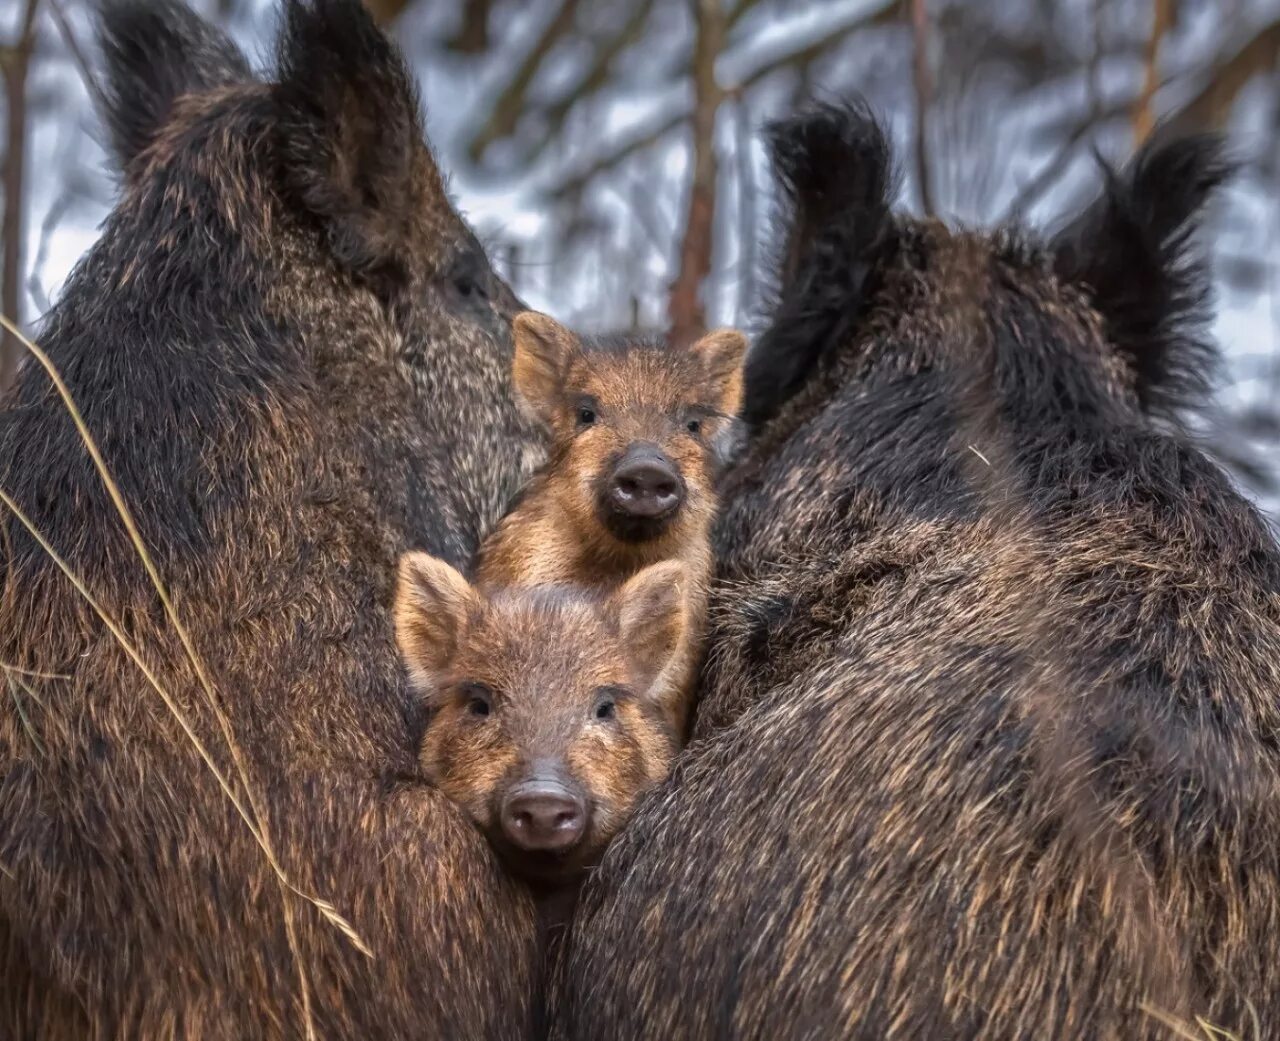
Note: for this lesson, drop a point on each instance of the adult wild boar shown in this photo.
(989, 745)
(294, 356)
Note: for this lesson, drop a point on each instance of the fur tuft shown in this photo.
(352, 128)
(835, 168)
(155, 51)
(1132, 251)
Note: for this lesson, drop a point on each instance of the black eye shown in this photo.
(468, 286)
(586, 415)
(694, 426)
(479, 699)
(606, 704)
(469, 276)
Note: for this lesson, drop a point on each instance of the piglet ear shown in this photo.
(652, 609)
(434, 606)
(1131, 251)
(352, 144)
(543, 350)
(722, 352)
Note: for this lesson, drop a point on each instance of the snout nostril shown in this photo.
(647, 487)
(543, 817)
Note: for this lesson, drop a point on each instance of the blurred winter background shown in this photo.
(607, 150)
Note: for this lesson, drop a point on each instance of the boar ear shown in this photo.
(722, 352)
(543, 350)
(353, 149)
(1131, 252)
(433, 606)
(834, 171)
(155, 51)
(652, 613)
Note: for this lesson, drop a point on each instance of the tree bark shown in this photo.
(385, 11)
(17, 63)
(923, 81)
(1144, 119)
(686, 309)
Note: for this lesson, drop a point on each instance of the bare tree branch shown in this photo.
(17, 63)
(1144, 118)
(77, 53)
(654, 131)
(510, 104)
(685, 308)
(1030, 193)
(647, 137)
(54, 216)
(1209, 109)
(593, 81)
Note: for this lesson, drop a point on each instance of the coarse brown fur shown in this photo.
(988, 746)
(295, 358)
(681, 402)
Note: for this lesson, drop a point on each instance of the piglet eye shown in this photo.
(606, 704)
(586, 415)
(479, 699)
(694, 426)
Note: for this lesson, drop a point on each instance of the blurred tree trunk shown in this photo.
(386, 11)
(16, 60)
(923, 82)
(472, 36)
(686, 308)
(1144, 117)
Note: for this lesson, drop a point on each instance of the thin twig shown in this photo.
(261, 832)
(686, 310)
(32, 673)
(1029, 194)
(654, 131)
(12, 681)
(77, 53)
(508, 106)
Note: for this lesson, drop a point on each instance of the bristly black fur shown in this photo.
(154, 51)
(352, 122)
(1132, 251)
(834, 166)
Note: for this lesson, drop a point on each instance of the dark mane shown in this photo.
(1133, 252)
(834, 169)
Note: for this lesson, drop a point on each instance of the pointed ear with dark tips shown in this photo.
(154, 52)
(1132, 253)
(652, 612)
(543, 350)
(722, 352)
(352, 143)
(834, 171)
(433, 607)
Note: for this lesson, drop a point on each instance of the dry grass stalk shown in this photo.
(254, 815)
